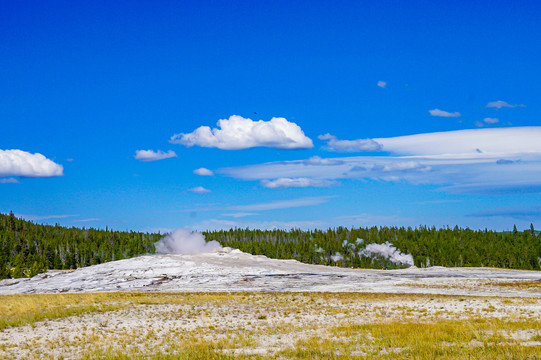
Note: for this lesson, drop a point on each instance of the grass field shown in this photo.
(268, 326)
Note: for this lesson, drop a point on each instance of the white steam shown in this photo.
(337, 257)
(185, 241)
(387, 251)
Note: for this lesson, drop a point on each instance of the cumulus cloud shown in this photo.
(238, 133)
(360, 145)
(9, 181)
(203, 172)
(199, 190)
(382, 84)
(499, 104)
(464, 161)
(25, 164)
(151, 155)
(441, 113)
(282, 183)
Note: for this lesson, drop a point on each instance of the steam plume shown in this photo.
(185, 241)
(387, 251)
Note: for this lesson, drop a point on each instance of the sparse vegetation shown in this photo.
(268, 326)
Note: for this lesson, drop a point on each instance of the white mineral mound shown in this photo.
(225, 269)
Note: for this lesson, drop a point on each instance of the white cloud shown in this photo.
(43, 217)
(438, 112)
(491, 120)
(479, 124)
(499, 140)
(459, 161)
(360, 145)
(151, 155)
(282, 204)
(328, 222)
(240, 214)
(203, 172)
(238, 133)
(199, 190)
(296, 182)
(22, 163)
(316, 160)
(220, 224)
(245, 210)
(382, 84)
(499, 104)
(9, 181)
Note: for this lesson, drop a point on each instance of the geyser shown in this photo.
(185, 241)
(387, 251)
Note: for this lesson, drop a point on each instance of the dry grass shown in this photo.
(268, 326)
(533, 286)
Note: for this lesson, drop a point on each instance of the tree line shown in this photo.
(27, 249)
(449, 247)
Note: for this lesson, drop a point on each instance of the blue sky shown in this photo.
(322, 107)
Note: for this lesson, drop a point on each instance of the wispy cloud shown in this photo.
(359, 145)
(382, 84)
(219, 224)
(364, 219)
(282, 204)
(465, 161)
(9, 181)
(238, 133)
(282, 183)
(316, 160)
(491, 120)
(203, 172)
(151, 155)
(22, 163)
(199, 190)
(517, 213)
(499, 104)
(87, 220)
(44, 217)
(435, 202)
(441, 113)
(496, 140)
(240, 214)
